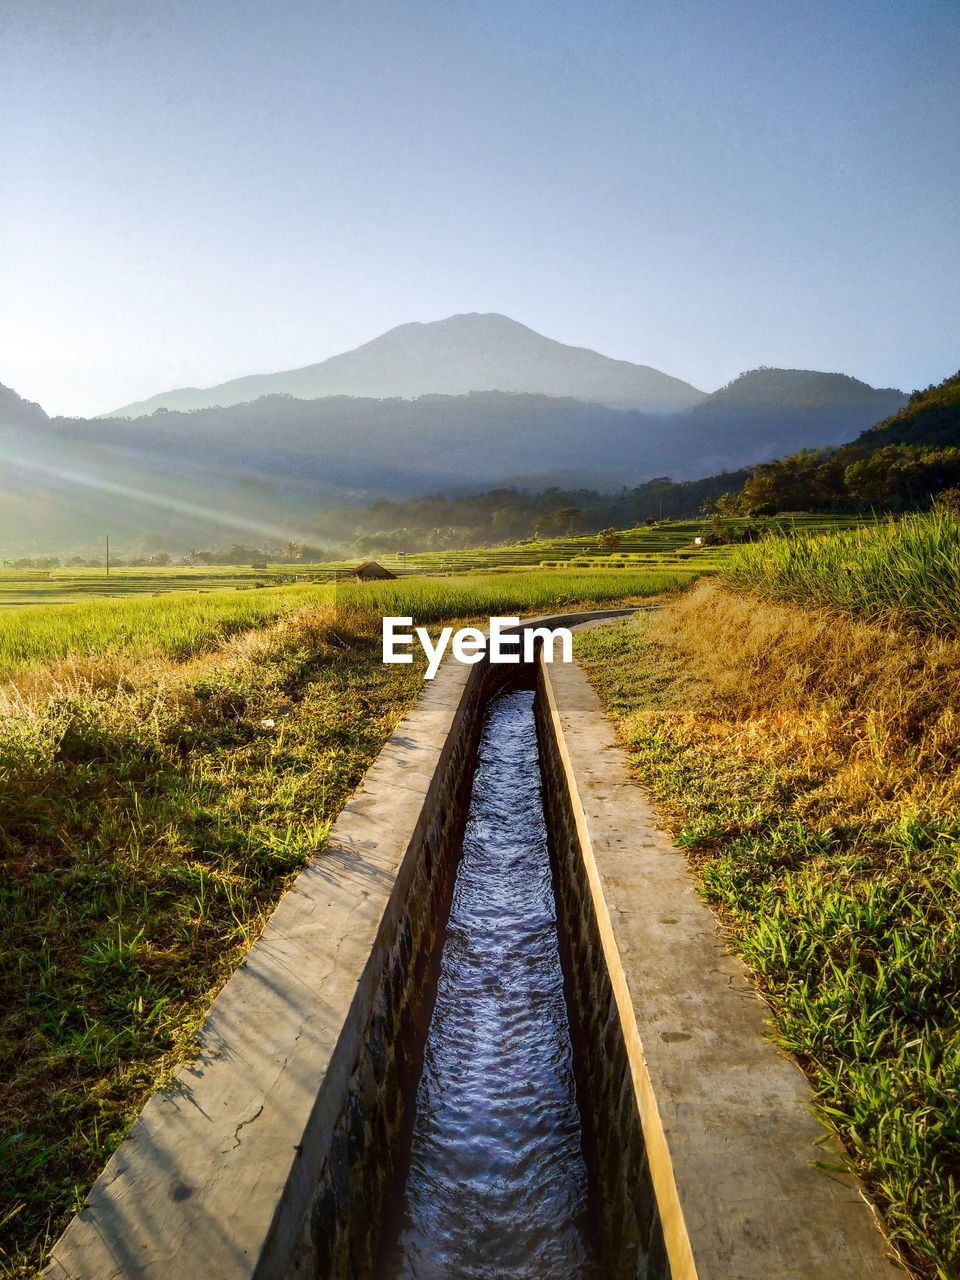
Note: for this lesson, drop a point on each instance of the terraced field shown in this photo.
(669, 544)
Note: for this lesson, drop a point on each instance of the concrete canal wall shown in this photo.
(274, 1153)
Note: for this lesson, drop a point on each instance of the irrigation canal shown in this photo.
(497, 1182)
(388, 1088)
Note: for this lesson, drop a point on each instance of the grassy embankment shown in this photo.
(798, 721)
(167, 765)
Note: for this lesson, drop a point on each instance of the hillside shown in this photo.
(767, 388)
(450, 357)
(931, 417)
(442, 443)
(17, 412)
(769, 412)
(904, 462)
(265, 468)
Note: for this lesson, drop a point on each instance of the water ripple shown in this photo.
(497, 1185)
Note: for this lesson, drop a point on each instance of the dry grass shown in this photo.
(806, 761)
(123, 679)
(874, 710)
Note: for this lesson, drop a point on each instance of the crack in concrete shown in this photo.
(236, 1132)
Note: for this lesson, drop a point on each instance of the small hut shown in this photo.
(370, 571)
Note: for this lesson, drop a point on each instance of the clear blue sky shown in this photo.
(193, 191)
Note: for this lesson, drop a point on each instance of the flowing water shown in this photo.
(497, 1184)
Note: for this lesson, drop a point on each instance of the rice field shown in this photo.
(664, 545)
(906, 571)
(180, 626)
(431, 599)
(59, 586)
(667, 544)
(154, 809)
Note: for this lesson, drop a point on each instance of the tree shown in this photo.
(608, 540)
(569, 517)
(509, 521)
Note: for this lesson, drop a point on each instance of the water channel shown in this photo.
(497, 1182)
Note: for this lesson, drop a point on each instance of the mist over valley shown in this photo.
(457, 406)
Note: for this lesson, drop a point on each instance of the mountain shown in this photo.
(394, 446)
(266, 467)
(767, 413)
(450, 357)
(930, 417)
(17, 412)
(437, 443)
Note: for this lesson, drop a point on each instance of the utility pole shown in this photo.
(108, 555)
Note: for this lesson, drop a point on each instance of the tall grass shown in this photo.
(172, 626)
(906, 570)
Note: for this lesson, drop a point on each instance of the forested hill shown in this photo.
(770, 412)
(930, 417)
(906, 461)
(798, 389)
(17, 412)
(434, 443)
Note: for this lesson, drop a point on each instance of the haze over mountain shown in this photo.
(440, 442)
(264, 465)
(767, 413)
(451, 357)
(264, 468)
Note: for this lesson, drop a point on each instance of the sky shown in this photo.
(194, 191)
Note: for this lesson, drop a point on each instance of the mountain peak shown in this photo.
(472, 351)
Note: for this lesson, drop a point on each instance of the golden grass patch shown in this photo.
(806, 762)
(874, 709)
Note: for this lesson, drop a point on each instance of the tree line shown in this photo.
(908, 461)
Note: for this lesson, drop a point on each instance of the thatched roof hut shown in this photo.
(370, 571)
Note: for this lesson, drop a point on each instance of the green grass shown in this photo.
(852, 928)
(905, 570)
(58, 586)
(668, 544)
(433, 599)
(181, 626)
(143, 840)
(175, 626)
